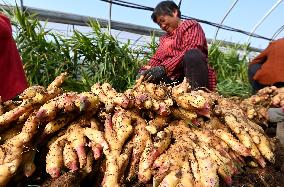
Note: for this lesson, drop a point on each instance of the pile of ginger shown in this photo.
(164, 135)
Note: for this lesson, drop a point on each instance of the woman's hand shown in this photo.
(154, 74)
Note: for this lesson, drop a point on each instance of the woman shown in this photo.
(182, 51)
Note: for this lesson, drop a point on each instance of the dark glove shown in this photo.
(154, 74)
(139, 75)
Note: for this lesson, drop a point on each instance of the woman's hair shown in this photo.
(165, 8)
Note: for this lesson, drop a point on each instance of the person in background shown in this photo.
(182, 51)
(276, 115)
(12, 76)
(267, 68)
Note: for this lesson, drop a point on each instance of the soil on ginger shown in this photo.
(270, 176)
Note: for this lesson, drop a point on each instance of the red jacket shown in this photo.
(12, 76)
(272, 70)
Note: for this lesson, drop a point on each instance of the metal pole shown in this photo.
(179, 4)
(264, 17)
(74, 19)
(22, 4)
(227, 13)
(109, 20)
(278, 32)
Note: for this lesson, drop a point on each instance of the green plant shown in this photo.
(104, 59)
(231, 69)
(42, 54)
(87, 57)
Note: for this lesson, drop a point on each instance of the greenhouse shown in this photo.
(141, 93)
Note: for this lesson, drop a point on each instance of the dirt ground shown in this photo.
(270, 176)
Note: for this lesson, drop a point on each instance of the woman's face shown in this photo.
(168, 23)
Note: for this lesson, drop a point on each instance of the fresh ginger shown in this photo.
(65, 150)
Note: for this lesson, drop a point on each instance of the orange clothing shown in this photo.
(272, 70)
(12, 76)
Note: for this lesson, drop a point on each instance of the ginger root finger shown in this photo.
(57, 82)
(14, 114)
(28, 160)
(54, 158)
(78, 142)
(70, 157)
(232, 142)
(98, 143)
